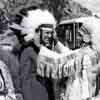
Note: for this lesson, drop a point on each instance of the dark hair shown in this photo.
(44, 25)
(24, 11)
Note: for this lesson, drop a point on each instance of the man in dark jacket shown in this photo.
(31, 88)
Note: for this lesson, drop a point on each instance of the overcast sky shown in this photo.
(93, 5)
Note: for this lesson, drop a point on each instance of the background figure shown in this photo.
(7, 91)
(13, 66)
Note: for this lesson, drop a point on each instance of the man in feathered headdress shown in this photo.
(36, 27)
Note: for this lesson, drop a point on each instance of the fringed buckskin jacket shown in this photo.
(81, 68)
(85, 84)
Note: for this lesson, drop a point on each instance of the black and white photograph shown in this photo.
(49, 49)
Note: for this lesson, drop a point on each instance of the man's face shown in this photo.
(47, 38)
(82, 37)
(79, 39)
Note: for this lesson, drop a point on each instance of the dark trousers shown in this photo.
(33, 90)
(48, 84)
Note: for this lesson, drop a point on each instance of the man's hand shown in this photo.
(55, 38)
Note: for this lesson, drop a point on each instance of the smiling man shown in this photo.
(46, 36)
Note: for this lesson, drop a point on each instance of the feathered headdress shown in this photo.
(34, 19)
(38, 17)
(91, 26)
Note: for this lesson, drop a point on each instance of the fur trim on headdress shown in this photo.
(92, 24)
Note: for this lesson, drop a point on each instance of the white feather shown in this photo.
(38, 17)
(34, 19)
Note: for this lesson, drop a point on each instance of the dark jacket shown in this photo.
(32, 89)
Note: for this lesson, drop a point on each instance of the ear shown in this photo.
(37, 30)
